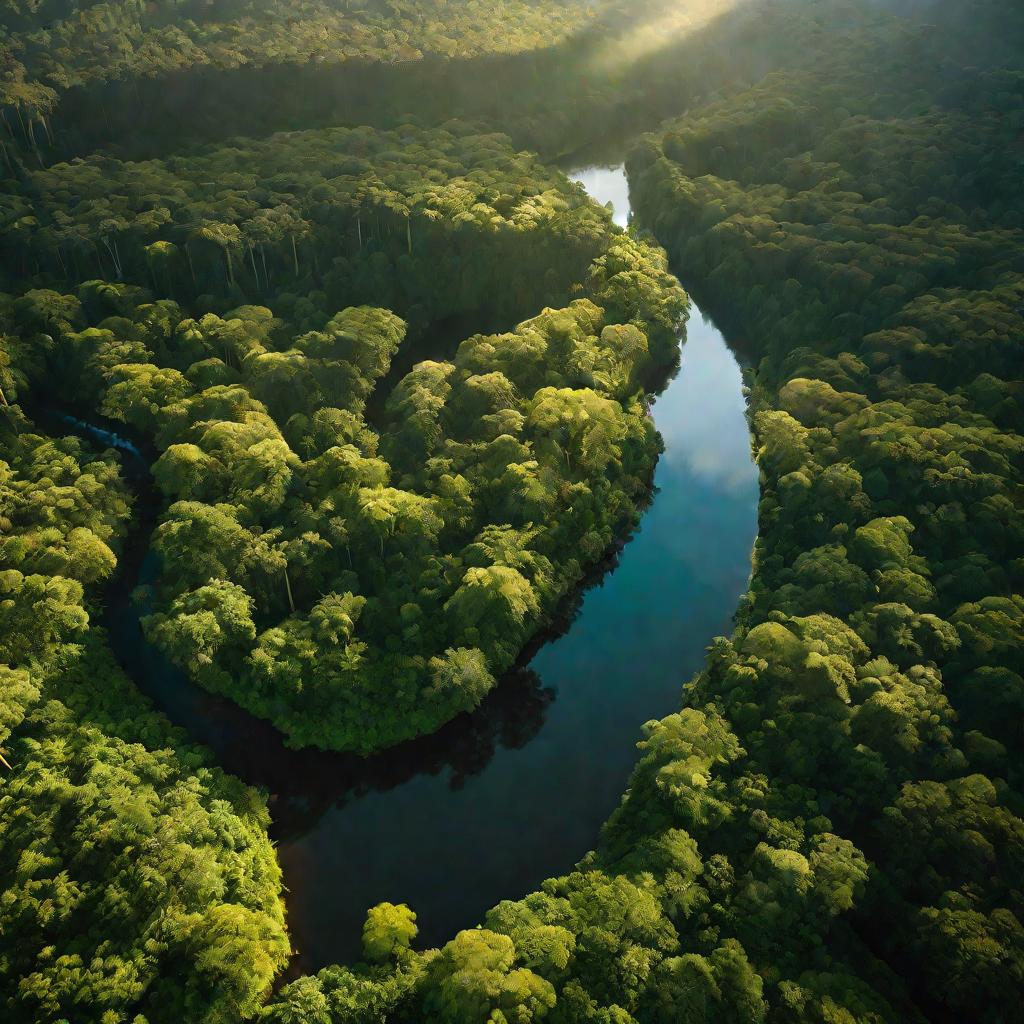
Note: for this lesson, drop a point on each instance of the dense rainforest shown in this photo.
(392, 374)
(360, 584)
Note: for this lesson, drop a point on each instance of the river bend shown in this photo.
(499, 800)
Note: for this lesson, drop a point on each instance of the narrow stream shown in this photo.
(498, 800)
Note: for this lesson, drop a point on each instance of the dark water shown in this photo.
(498, 800)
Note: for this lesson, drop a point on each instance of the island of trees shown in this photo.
(393, 381)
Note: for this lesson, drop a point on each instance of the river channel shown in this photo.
(453, 842)
(499, 800)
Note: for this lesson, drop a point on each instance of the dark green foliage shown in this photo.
(831, 831)
(415, 220)
(869, 248)
(354, 543)
(58, 45)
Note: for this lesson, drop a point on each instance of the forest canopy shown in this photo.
(391, 384)
(54, 46)
(301, 540)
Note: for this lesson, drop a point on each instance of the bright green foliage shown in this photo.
(313, 223)
(134, 875)
(878, 282)
(389, 930)
(475, 978)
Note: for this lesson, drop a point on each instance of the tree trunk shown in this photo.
(408, 232)
(295, 255)
(34, 143)
(114, 257)
(288, 587)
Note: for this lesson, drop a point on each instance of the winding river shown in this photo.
(499, 800)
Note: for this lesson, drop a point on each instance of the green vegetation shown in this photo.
(359, 584)
(135, 873)
(413, 219)
(871, 257)
(557, 77)
(55, 46)
(830, 829)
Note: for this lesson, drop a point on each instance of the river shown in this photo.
(452, 844)
(498, 800)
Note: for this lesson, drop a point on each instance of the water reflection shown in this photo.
(306, 784)
(607, 185)
(303, 784)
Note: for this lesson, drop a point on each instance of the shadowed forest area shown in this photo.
(311, 353)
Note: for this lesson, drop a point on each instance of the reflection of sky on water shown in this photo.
(607, 185)
(705, 412)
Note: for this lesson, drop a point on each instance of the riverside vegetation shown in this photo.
(356, 585)
(829, 829)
